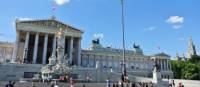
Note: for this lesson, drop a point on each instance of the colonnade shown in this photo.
(73, 48)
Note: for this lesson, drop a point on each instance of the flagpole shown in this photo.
(53, 9)
(123, 37)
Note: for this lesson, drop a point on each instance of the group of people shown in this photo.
(127, 84)
(130, 85)
(54, 84)
(172, 84)
(10, 84)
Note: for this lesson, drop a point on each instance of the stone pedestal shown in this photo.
(156, 76)
(157, 79)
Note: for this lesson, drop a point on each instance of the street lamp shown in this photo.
(124, 75)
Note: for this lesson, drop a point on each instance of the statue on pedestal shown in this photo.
(57, 66)
(137, 49)
(157, 67)
(60, 40)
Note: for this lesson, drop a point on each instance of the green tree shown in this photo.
(177, 68)
(190, 72)
(195, 59)
(186, 69)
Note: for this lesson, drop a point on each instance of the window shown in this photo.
(115, 64)
(91, 63)
(132, 67)
(84, 62)
(109, 64)
(29, 74)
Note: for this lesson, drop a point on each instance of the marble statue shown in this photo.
(57, 65)
(60, 49)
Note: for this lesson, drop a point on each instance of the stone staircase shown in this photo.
(40, 84)
(29, 84)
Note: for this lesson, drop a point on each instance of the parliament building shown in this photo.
(36, 42)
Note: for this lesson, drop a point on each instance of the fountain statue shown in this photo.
(57, 66)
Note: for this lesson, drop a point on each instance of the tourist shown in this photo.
(84, 85)
(117, 85)
(127, 85)
(108, 81)
(179, 85)
(66, 77)
(132, 84)
(173, 84)
(122, 84)
(56, 85)
(88, 79)
(71, 82)
(10, 84)
(32, 84)
(52, 84)
(114, 85)
(44, 78)
(151, 84)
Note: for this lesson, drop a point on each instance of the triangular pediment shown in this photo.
(162, 54)
(50, 23)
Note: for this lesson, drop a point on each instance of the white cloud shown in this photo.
(61, 2)
(99, 35)
(175, 21)
(150, 28)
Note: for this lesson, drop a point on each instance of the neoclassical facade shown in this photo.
(137, 63)
(36, 41)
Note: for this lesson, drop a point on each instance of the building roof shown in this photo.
(162, 54)
(51, 21)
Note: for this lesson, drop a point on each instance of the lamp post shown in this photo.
(124, 64)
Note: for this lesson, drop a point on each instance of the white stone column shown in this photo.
(79, 52)
(161, 65)
(35, 48)
(167, 64)
(4, 55)
(164, 61)
(170, 67)
(26, 47)
(158, 62)
(15, 51)
(54, 46)
(44, 57)
(71, 50)
(63, 47)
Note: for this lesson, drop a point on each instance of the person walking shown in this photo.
(108, 81)
(10, 84)
(71, 82)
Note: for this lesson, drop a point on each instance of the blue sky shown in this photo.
(150, 23)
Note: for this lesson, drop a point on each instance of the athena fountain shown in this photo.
(57, 66)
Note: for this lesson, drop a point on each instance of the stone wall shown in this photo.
(16, 71)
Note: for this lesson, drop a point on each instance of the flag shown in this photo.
(54, 7)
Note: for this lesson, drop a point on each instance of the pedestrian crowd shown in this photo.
(172, 84)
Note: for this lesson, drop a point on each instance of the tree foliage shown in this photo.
(187, 69)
